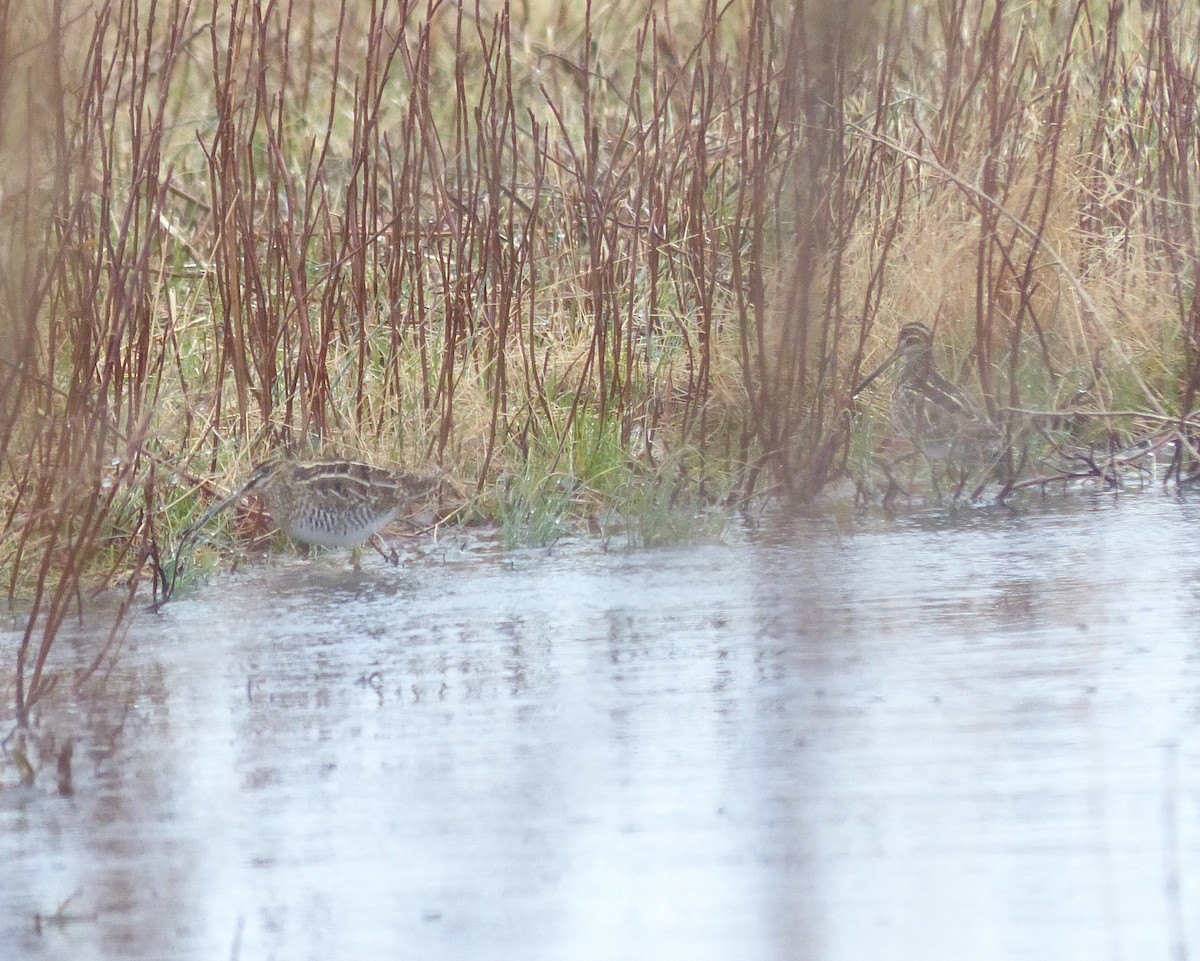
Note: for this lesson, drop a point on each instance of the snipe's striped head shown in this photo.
(914, 340)
(914, 345)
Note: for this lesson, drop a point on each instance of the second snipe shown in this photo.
(938, 417)
(941, 421)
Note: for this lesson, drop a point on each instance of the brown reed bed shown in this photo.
(581, 259)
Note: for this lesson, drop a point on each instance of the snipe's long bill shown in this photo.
(939, 418)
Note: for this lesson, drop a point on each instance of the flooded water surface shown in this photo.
(968, 735)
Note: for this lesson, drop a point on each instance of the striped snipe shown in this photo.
(335, 504)
(939, 419)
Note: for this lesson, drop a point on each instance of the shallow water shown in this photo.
(949, 736)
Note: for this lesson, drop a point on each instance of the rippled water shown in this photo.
(968, 735)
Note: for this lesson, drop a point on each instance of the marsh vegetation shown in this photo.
(595, 264)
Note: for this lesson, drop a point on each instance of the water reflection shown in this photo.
(942, 737)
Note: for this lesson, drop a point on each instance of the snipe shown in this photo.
(941, 421)
(335, 504)
(330, 504)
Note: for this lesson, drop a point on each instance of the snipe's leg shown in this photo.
(895, 488)
(934, 487)
(391, 556)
